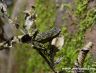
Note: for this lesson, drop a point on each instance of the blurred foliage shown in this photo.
(29, 61)
(46, 11)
